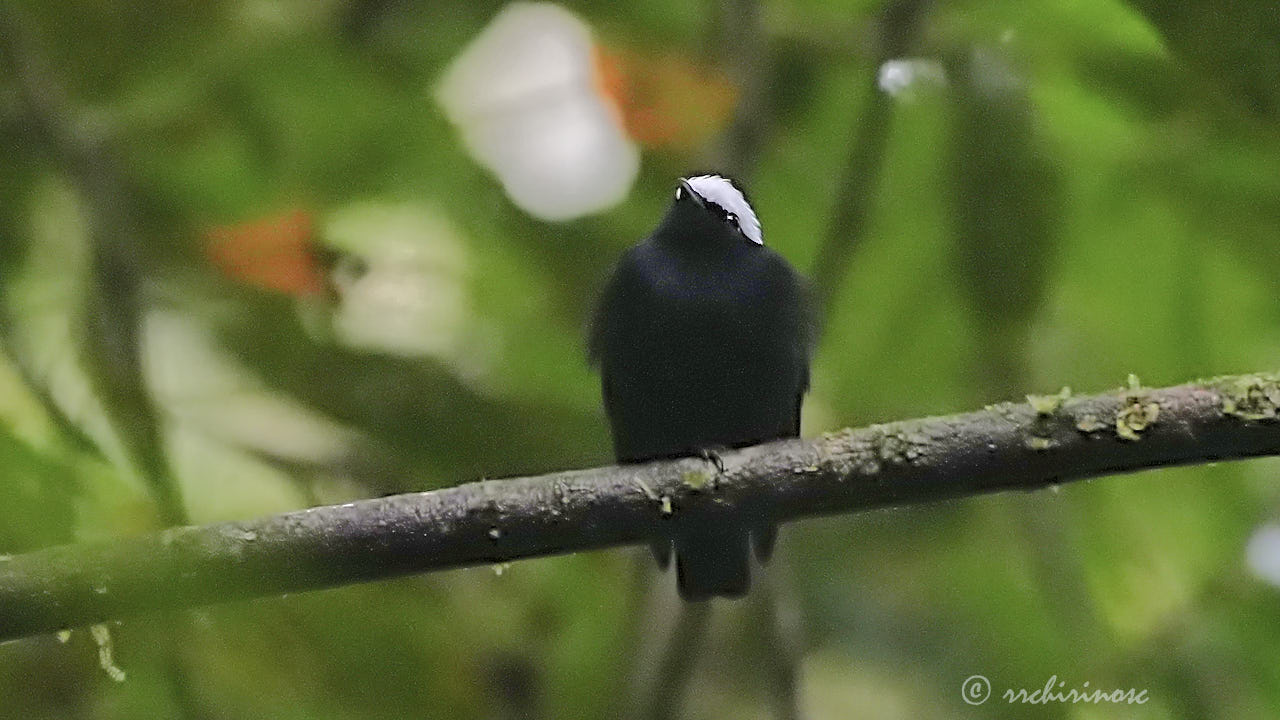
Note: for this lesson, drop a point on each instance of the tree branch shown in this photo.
(1045, 441)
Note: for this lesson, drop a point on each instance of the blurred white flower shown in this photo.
(526, 97)
(1262, 554)
(403, 285)
(900, 75)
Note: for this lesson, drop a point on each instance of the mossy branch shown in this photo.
(1024, 445)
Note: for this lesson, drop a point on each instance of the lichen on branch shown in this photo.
(1024, 445)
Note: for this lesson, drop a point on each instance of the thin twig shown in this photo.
(676, 667)
(748, 56)
(899, 24)
(113, 304)
(1008, 446)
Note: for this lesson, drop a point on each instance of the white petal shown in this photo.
(558, 160)
(523, 95)
(900, 75)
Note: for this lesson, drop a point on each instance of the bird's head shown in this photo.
(711, 206)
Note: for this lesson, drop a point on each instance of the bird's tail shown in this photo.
(713, 560)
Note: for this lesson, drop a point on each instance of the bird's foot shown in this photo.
(712, 455)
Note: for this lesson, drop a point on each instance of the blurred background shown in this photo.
(257, 255)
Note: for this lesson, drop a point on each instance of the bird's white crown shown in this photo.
(722, 192)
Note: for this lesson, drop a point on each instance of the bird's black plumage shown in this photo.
(703, 338)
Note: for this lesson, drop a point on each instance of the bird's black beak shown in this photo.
(688, 190)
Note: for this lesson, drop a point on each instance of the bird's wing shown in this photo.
(608, 320)
(799, 317)
(800, 323)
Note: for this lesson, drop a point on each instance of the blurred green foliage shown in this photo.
(1094, 191)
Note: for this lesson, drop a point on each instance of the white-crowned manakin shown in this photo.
(703, 338)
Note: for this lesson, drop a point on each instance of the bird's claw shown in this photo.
(712, 455)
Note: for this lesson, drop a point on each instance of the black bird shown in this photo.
(703, 337)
